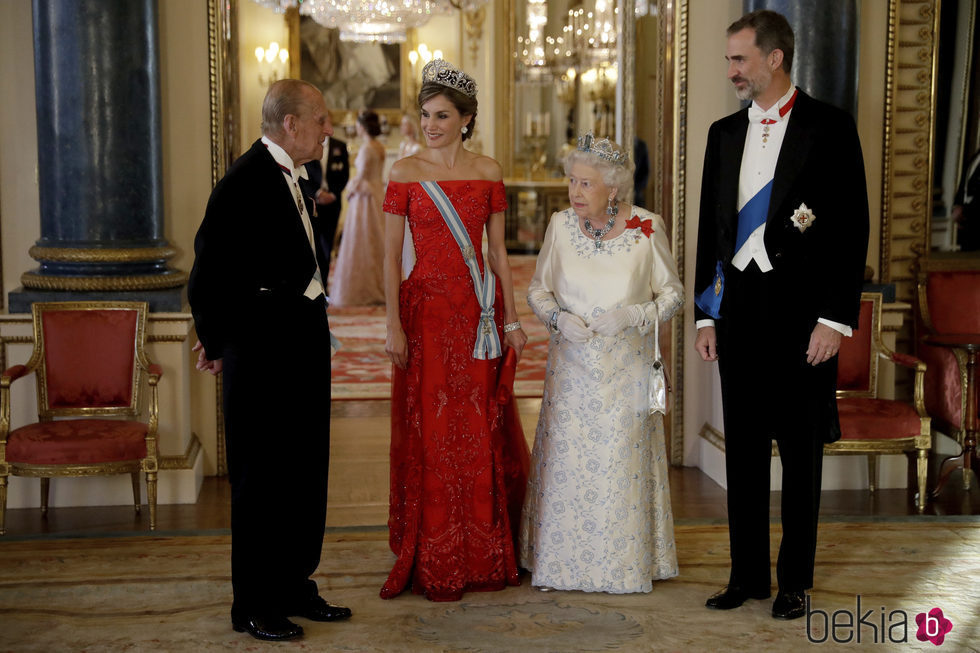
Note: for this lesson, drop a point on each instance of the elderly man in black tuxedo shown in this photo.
(782, 242)
(256, 292)
(328, 176)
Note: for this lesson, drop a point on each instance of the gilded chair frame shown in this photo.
(927, 265)
(143, 372)
(919, 444)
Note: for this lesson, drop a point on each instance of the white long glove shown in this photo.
(613, 322)
(573, 327)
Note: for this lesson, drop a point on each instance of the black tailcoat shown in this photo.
(768, 389)
(253, 262)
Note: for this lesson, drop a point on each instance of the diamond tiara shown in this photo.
(442, 72)
(602, 148)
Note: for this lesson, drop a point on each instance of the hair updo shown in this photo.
(370, 122)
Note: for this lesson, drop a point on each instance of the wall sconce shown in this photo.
(418, 58)
(267, 63)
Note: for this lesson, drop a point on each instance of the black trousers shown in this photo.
(769, 393)
(277, 426)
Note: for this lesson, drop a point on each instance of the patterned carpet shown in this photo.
(172, 593)
(361, 370)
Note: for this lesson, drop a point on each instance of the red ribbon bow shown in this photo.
(646, 226)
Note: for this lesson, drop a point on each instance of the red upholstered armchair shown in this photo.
(90, 369)
(871, 425)
(948, 302)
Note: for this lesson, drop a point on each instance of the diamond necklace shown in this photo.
(597, 234)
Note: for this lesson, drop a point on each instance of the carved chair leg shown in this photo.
(45, 491)
(3, 504)
(151, 498)
(922, 470)
(136, 490)
(872, 471)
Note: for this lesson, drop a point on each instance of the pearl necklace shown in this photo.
(597, 234)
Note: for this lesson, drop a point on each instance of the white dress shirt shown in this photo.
(762, 145)
(292, 176)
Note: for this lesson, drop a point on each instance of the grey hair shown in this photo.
(615, 176)
(285, 97)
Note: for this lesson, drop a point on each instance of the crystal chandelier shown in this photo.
(386, 21)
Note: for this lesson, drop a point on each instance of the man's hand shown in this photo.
(707, 343)
(325, 197)
(824, 344)
(211, 367)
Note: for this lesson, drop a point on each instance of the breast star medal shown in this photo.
(802, 218)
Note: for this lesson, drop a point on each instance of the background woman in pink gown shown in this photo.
(358, 278)
(458, 458)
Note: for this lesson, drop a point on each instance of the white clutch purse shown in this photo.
(659, 383)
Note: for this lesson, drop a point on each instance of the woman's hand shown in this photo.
(396, 346)
(573, 327)
(615, 321)
(516, 340)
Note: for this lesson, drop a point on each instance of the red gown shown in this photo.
(458, 459)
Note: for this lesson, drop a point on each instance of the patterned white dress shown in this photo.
(597, 511)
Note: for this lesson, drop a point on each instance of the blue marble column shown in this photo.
(825, 63)
(97, 81)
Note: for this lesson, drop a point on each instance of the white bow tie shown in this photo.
(756, 115)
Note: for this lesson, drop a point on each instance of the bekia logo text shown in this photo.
(875, 626)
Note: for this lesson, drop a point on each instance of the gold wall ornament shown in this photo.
(473, 24)
(910, 68)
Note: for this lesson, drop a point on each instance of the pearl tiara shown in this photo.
(442, 72)
(602, 148)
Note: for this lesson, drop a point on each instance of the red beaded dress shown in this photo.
(458, 459)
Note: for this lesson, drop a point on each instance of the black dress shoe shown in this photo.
(316, 609)
(269, 628)
(789, 605)
(732, 597)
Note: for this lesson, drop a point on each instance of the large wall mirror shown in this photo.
(612, 67)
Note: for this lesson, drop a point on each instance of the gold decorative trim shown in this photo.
(627, 73)
(100, 255)
(218, 163)
(678, 106)
(185, 461)
(909, 118)
(473, 22)
(714, 437)
(173, 279)
(166, 338)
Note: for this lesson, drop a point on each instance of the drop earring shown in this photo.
(612, 208)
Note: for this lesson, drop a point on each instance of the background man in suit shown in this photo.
(782, 242)
(257, 297)
(326, 189)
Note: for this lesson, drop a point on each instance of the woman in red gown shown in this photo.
(458, 458)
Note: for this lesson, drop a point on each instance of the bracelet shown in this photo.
(513, 326)
(554, 321)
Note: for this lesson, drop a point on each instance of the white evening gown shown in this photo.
(597, 512)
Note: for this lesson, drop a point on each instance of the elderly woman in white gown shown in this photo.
(597, 512)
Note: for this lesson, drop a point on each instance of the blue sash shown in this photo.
(753, 215)
(709, 300)
(487, 342)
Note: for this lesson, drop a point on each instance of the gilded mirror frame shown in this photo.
(668, 152)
